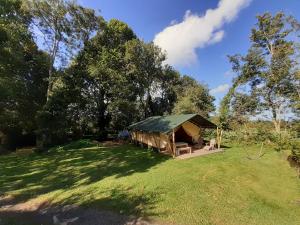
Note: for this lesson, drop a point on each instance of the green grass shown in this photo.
(221, 188)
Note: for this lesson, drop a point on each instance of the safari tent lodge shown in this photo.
(175, 134)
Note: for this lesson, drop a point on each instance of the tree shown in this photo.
(166, 94)
(296, 71)
(193, 98)
(243, 107)
(144, 66)
(119, 80)
(113, 79)
(64, 27)
(99, 75)
(22, 72)
(267, 67)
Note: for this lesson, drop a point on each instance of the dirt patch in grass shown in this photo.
(113, 143)
(32, 212)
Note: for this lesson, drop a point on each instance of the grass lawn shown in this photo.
(222, 188)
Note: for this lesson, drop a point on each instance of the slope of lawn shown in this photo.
(221, 188)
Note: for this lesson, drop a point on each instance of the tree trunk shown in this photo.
(51, 66)
(148, 102)
(4, 142)
(277, 125)
(43, 140)
(43, 135)
(102, 121)
(276, 120)
(50, 83)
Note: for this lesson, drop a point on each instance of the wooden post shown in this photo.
(133, 137)
(219, 137)
(221, 132)
(174, 145)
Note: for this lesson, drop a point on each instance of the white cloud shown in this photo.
(220, 89)
(173, 22)
(229, 73)
(180, 40)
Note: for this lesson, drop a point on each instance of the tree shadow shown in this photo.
(224, 146)
(119, 208)
(75, 165)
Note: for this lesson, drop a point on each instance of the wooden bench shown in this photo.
(182, 146)
(188, 149)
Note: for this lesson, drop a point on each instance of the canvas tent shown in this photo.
(162, 132)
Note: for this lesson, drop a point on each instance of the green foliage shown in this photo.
(261, 133)
(267, 68)
(285, 140)
(144, 63)
(23, 70)
(224, 110)
(102, 85)
(295, 98)
(295, 155)
(92, 77)
(193, 97)
(116, 80)
(243, 106)
(65, 26)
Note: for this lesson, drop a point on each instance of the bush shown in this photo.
(295, 152)
(257, 133)
(282, 141)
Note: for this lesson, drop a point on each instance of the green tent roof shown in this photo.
(165, 124)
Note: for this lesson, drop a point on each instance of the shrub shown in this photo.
(282, 141)
(295, 152)
(257, 133)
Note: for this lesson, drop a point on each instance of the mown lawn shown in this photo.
(221, 188)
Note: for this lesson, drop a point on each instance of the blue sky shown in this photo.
(205, 52)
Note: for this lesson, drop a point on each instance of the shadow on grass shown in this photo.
(224, 146)
(76, 164)
(121, 200)
(120, 208)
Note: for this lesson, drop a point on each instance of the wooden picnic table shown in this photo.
(182, 146)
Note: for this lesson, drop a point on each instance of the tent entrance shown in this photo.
(182, 136)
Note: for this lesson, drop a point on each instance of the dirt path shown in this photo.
(33, 213)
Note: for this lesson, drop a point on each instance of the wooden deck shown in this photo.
(197, 152)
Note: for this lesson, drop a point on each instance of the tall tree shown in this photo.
(296, 71)
(144, 64)
(243, 107)
(166, 95)
(22, 74)
(100, 74)
(267, 67)
(193, 97)
(120, 80)
(64, 27)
